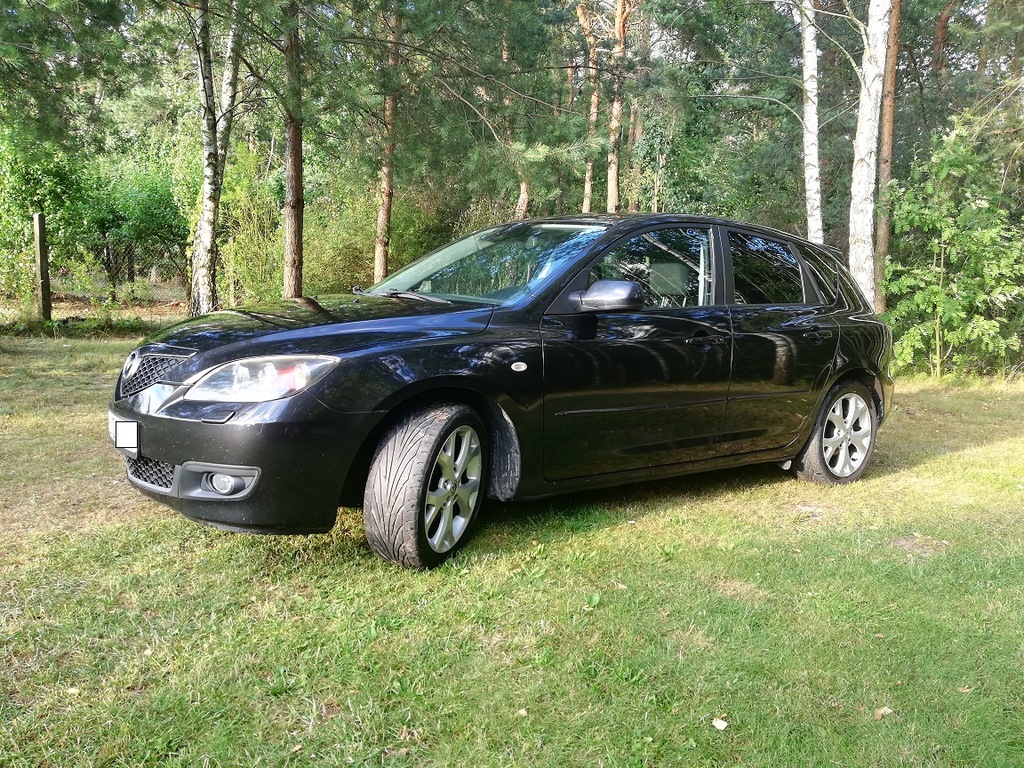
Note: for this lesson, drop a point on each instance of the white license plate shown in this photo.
(125, 435)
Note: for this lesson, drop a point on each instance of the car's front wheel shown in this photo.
(843, 439)
(425, 486)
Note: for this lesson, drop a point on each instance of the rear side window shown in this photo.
(764, 271)
(825, 270)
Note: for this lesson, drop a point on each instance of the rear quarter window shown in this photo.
(824, 270)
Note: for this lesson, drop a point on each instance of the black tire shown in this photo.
(420, 506)
(840, 447)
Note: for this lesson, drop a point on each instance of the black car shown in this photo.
(525, 360)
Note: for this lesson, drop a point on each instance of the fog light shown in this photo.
(225, 485)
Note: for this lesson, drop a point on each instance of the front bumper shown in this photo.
(291, 456)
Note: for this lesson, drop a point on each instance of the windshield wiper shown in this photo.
(393, 294)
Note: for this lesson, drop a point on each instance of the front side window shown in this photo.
(764, 271)
(672, 266)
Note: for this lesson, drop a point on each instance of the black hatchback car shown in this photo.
(529, 359)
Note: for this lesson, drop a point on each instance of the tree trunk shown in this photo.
(865, 148)
(523, 203)
(570, 83)
(941, 39)
(382, 241)
(614, 131)
(622, 10)
(294, 199)
(885, 155)
(586, 24)
(204, 244)
(812, 158)
(110, 267)
(216, 135)
(983, 53)
(633, 137)
(659, 171)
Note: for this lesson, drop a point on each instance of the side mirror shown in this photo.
(611, 296)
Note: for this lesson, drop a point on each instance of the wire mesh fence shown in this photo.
(122, 283)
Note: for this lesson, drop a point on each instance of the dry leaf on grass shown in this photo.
(882, 712)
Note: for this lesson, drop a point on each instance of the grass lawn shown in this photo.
(872, 625)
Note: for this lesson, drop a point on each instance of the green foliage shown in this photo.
(955, 281)
(339, 236)
(338, 232)
(16, 273)
(137, 224)
(34, 178)
(252, 251)
(47, 51)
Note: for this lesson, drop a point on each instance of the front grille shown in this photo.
(151, 369)
(151, 471)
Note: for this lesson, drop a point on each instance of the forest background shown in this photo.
(236, 151)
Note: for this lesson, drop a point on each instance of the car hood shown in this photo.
(328, 325)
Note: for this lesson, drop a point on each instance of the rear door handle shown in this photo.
(817, 335)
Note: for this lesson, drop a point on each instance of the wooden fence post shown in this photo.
(43, 305)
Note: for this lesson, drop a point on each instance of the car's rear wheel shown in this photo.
(425, 486)
(843, 439)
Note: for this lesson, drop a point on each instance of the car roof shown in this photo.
(630, 221)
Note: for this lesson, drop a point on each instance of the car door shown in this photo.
(784, 341)
(625, 390)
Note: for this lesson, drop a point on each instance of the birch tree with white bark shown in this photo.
(294, 189)
(216, 122)
(586, 19)
(386, 188)
(875, 35)
(812, 157)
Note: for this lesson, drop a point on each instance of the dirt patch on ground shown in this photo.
(86, 503)
(58, 471)
(921, 546)
(692, 639)
(741, 590)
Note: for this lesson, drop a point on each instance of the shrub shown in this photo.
(954, 283)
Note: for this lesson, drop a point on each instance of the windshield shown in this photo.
(495, 266)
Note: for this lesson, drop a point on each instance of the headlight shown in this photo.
(257, 379)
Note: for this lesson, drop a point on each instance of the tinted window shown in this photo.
(673, 266)
(825, 270)
(764, 271)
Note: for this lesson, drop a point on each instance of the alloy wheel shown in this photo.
(453, 489)
(846, 435)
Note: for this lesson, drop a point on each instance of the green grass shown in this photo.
(608, 628)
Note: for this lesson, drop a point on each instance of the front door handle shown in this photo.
(704, 340)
